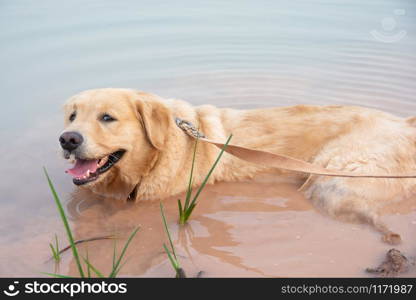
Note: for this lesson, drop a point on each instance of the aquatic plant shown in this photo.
(186, 210)
(116, 266)
(55, 250)
(180, 273)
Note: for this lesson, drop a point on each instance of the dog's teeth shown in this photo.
(88, 174)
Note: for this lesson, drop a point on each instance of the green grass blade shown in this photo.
(99, 274)
(191, 176)
(116, 270)
(57, 247)
(54, 254)
(167, 230)
(180, 209)
(123, 252)
(56, 275)
(88, 267)
(188, 196)
(189, 211)
(210, 171)
(173, 261)
(65, 221)
(119, 268)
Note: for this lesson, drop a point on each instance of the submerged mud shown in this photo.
(394, 264)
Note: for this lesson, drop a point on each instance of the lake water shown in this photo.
(241, 54)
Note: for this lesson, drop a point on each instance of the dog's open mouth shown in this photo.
(87, 170)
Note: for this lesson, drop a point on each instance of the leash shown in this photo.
(276, 160)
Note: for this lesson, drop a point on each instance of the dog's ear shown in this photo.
(156, 120)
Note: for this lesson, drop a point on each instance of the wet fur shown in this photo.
(158, 155)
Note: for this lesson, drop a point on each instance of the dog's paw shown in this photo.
(392, 238)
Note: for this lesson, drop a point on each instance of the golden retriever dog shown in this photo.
(125, 144)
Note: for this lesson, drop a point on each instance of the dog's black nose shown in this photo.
(70, 140)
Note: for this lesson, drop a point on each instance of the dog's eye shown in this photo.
(72, 116)
(107, 118)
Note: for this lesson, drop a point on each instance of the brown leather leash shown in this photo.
(276, 160)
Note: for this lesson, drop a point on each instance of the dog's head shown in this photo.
(113, 137)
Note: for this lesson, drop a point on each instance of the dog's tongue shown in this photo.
(82, 166)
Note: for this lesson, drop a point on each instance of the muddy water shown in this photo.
(240, 54)
(260, 228)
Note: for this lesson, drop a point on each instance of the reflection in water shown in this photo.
(240, 54)
(263, 228)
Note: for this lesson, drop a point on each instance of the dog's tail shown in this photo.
(411, 121)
